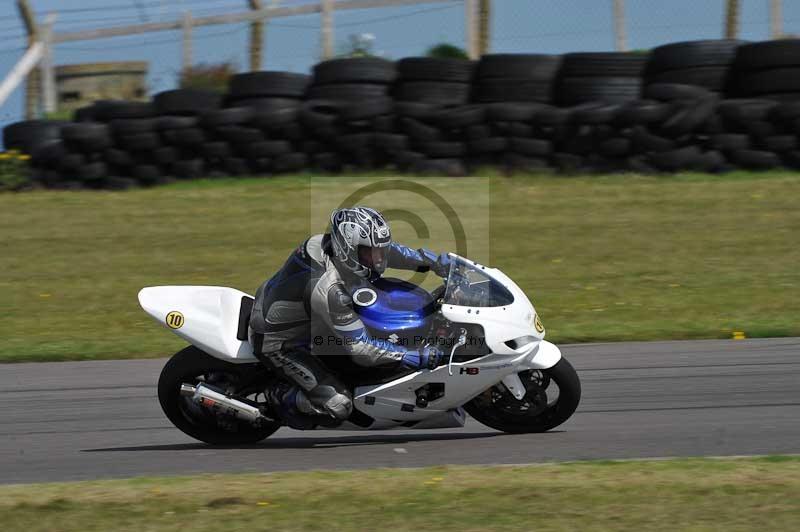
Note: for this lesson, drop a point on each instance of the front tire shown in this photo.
(191, 365)
(498, 409)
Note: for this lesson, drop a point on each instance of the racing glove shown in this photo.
(428, 357)
(439, 264)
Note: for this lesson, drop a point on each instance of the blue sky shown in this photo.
(548, 26)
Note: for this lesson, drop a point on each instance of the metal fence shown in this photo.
(298, 33)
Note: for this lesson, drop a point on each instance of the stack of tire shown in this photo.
(28, 135)
(348, 101)
(135, 140)
(512, 88)
(142, 143)
(762, 122)
(705, 63)
(41, 139)
(82, 164)
(769, 69)
(180, 129)
(671, 128)
(785, 117)
(110, 139)
(433, 115)
(593, 87)
(759, 134)
(682, 119)
(259, 130)
(697, 105)
(607, 77)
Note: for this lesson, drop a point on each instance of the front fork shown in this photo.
(514, 385)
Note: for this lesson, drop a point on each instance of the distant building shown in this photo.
(80, 85)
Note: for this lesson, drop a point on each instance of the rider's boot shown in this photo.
(294, 407)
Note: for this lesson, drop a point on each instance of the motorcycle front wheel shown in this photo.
(192, 366)
(551, 397)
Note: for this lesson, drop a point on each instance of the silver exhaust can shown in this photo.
(216, 400)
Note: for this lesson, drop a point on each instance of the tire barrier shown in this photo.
(709, 106)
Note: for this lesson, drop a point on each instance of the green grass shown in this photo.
(603, 258)
(695, 494)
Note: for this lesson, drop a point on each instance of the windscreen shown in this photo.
(468, 285)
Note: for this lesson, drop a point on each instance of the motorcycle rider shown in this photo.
(312, 297)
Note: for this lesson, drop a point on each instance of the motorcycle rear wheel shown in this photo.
(191, 365)
(527, 415)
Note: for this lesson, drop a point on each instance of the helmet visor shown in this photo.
(373, 258)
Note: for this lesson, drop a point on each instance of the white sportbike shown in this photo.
(497, 365)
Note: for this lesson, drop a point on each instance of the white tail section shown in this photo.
(205, 316)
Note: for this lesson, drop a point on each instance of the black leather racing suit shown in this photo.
(310, 297)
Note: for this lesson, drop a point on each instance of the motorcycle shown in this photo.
(498, 368)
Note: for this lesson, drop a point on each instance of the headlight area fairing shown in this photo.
(511, 329)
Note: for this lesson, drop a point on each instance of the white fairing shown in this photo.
(386, 401)
(516, 322)
(513, 334)
(210, 317)
(501, 324)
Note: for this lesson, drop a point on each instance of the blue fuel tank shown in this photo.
(393, 306)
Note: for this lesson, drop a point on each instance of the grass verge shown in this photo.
(603, 258)
(687, 494)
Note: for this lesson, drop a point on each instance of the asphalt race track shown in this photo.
(82, 420)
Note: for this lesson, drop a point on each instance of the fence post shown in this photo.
(484, 26)
(620, 35)
(776, 19)
(256, 38)
(327, 29)
(471, 20)
(32, 85)
(186, 61)
(732, 19)
(47, 69)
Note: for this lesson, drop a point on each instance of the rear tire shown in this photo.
(185, 367)
(553, 415)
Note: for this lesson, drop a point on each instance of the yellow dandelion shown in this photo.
(4, 156)
(24, 157)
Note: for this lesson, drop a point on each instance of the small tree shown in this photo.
(208, 76)
(446, 51)
(359, 45)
